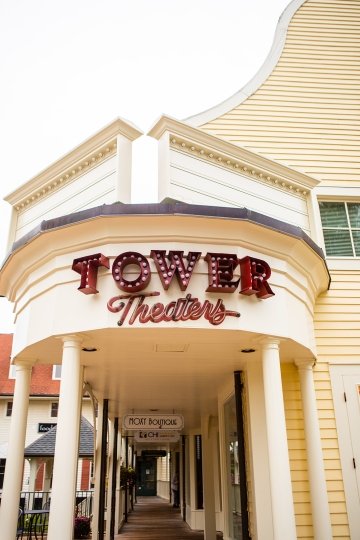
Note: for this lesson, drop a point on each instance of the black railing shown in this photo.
(34, 500)
(84, 503)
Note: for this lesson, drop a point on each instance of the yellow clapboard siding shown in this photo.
(333, 342)
(304, 532)
(341, 531)
(333, 474)
(340, 351)
(310, 98)
(299, 465)
(306, 115)
(303, 508)
(303, 520)
(335, 499)
(301, 498)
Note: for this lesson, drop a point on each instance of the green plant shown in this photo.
(127, 476)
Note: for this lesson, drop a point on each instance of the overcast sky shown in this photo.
(68, 68)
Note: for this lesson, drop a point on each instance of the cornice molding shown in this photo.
(259, 78)
(204, 146)
(85, 156)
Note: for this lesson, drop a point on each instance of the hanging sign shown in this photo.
(156, 436)
(153, 422)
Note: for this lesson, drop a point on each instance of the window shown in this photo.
(2, 472)
(12, 371)
(9, 407)
(54, 409)
(341, 228)
(56, 374)
(198, 473)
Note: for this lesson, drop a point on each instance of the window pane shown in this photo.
(354, 215)
(9, 407)
(356, 238)
(2, 472)
(54, 409)
(333, 214)
(337, 242)
(57, 372)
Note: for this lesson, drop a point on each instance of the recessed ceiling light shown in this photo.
(247, 350)
(89, 349)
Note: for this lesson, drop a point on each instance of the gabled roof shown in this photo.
(44, 446)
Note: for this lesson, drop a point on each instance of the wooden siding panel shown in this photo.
(337, 325)
(310, 100)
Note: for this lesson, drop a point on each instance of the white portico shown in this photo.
(163, 345)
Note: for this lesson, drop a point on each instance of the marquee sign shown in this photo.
(171, 267)
(153, 422)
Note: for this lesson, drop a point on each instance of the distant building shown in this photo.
(41, 427)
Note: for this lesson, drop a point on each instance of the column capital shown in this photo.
(23, 364)
(269, 342)
(71, 339)
(305, 363)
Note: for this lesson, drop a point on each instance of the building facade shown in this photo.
(41, 419)
(227, 313)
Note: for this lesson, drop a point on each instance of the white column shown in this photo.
(62, 509)
(208, 479)
(319, 499)
(262, 524)
(9, 508)
(279, 467)
(33, 471)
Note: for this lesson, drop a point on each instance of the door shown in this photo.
(146, 476)
(346, 391)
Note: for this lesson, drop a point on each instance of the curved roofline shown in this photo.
(168, 207)
(259, 78)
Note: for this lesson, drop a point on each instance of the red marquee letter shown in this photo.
(254, 276)
(176, 267)
(133, 258)
(221, 271)
(87, 267)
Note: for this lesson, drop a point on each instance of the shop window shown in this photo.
(2, 472)
(9, 407)
(56, 374)
(341, 228)
(54, 409)
(198, 473)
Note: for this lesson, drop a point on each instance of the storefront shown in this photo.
(196, 316)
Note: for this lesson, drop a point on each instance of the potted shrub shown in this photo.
(82, 527)
(127, 476)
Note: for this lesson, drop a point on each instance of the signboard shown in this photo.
(156, 436)
(226, 273)
(153, 422)
(153, 453)
(44, 428)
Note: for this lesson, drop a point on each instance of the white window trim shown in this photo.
(56, 376)
(335, 262)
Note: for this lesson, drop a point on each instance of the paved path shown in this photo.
(155, 519)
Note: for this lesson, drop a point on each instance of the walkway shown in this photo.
(155, 519)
